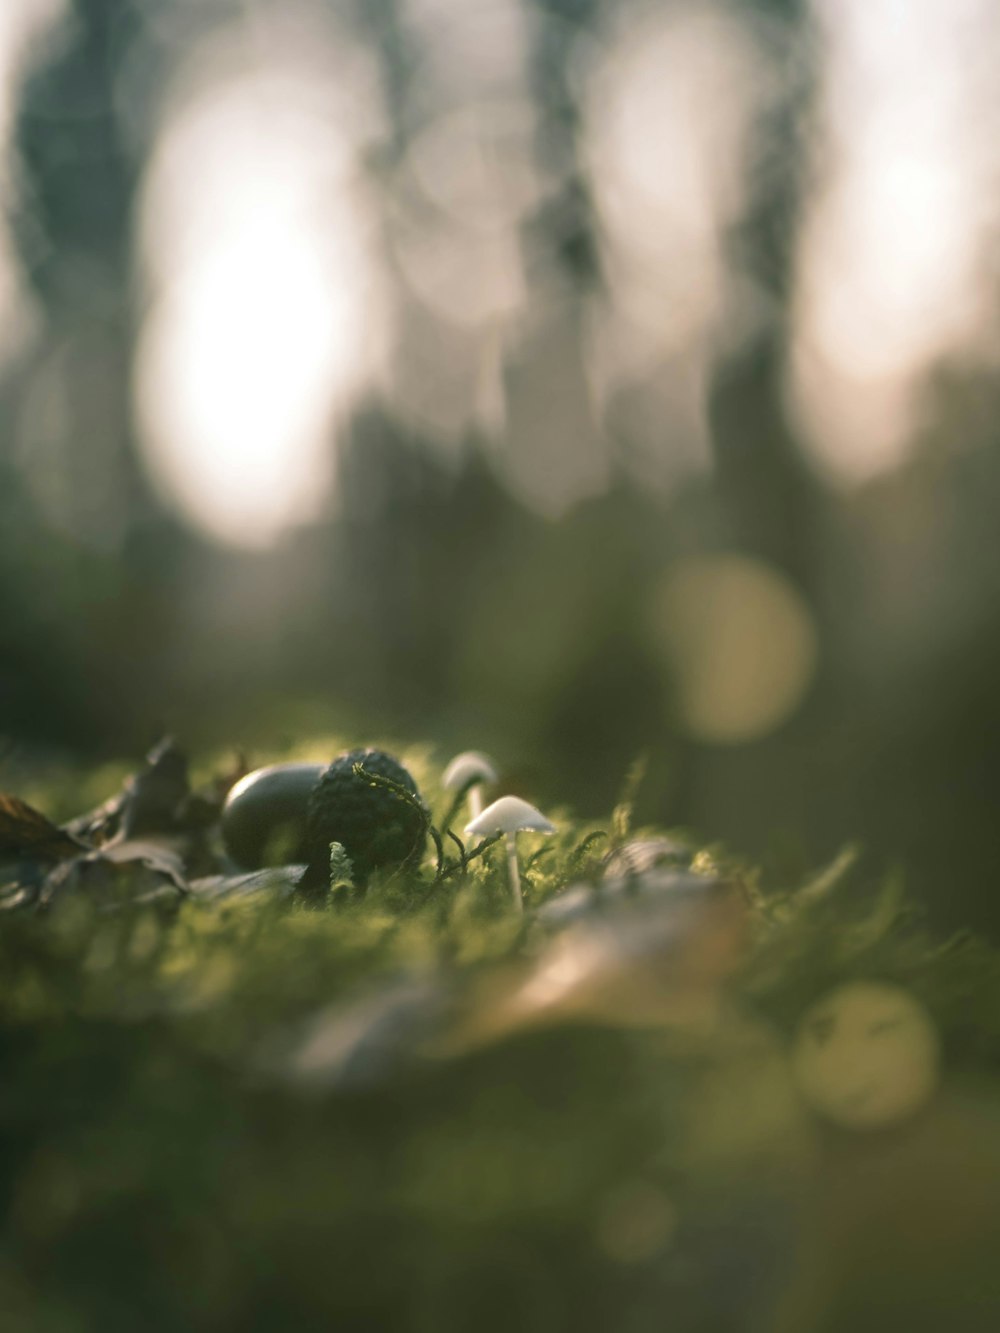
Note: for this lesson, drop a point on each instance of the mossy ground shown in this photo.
(158, 1173)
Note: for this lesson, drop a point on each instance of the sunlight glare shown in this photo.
(891, 269)
(266, 317)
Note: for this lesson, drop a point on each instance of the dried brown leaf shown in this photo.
(25, 831)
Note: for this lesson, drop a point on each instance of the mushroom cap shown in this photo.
(509, 815)
(469, 766)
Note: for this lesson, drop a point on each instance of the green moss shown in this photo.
(156, 1175)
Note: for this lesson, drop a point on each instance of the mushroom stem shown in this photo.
(467, 773)
(475, 800)
(509, 816)
(514, 873)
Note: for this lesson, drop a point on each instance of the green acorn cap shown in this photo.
(375, 825)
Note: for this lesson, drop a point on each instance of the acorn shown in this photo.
(264, 817)
(375, 825)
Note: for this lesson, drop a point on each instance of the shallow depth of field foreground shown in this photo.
(657, 1093)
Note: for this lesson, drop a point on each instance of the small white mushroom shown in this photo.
(469, 770)
(510, 816)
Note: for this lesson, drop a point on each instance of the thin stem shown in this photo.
(475, 801)
(477, 851)
(514, 874)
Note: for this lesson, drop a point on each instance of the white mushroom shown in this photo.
(469, 770)
(510, 816)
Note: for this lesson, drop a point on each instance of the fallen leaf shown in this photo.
(25, 831)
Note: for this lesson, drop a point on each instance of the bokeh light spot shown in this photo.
(265, 316)
(895, 274)
(866, 1055)
(740, 644)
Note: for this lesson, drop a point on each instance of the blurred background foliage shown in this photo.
(566, 378)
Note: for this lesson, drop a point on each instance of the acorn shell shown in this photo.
(264, 817)
(376, 825)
